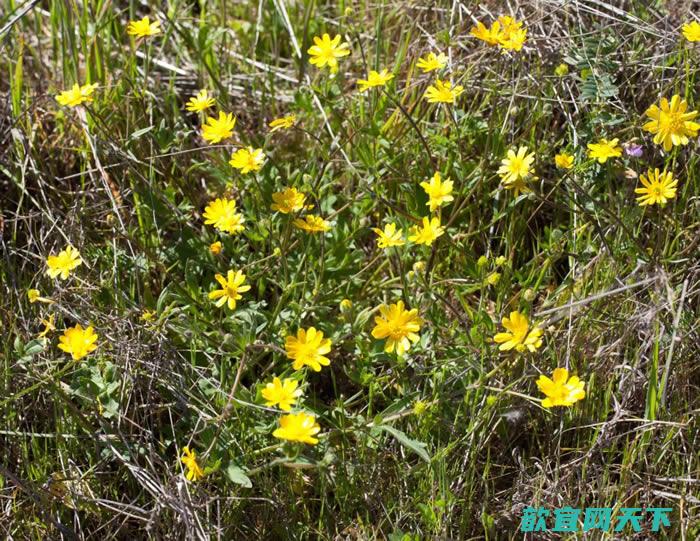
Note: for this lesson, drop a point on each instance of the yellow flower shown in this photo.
(390, 236)
(232, 287)
(428, 233)
(691, 31)
(326, 51)
(500, 260)
(62, 264)
(200, 102)
(143, 28)
(399, 326)
(288, 200)
(518, 337)
(345, 305)
(34, 295)
(604, 149)
(505, 32)
(216, 130)
(221, 213)
(216, 247)
(514, 39)
(489, 35)
(374, 79)
(493, 278)
(438, 191)
(308, 348)
(420, 407)
(300, 427)
(283, 123)
(559, 391)
(658, 188)
(78, 341)
(432, 62)
(564, 160)
(76, 95)
(149, 316)
(189, 459)
(48, 326)
(247, 159)
(561, 70)
(443, 92)
(671, 123)
(312, 224)
(516, 168)
(284, 393)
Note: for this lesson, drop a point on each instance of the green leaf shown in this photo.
(416, 446)
(238, 476)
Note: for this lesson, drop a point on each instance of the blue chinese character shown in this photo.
(628, 515)
(597, 518)
(566, 519)
(659, 517)
(534, 520)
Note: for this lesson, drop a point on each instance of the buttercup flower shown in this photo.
(604, 150)
(443, 92)
(189, 459)
(288, 200)
(221, 213)
(200, 102)
(432, 62)
(390, 236)
(308, 348)
(34, 295)
(143, 28)
(516, 169)
(247, 159)
(62, 265)
(283, 123)
(216, 247)
(488, 35)
(429, 231)
(232, 287)
(326, 51)
(374, 79)
(438, 191)
(657, 188)
(216, 130)
(282, 393)
(76, 95)
(670, 123)
(300, 427)
(78, 342)
(558, 390)
(48, 325)
(399, 326)
(312, 224)
(519, 336)
(691, 31)
(506, 32)
(564, 160)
